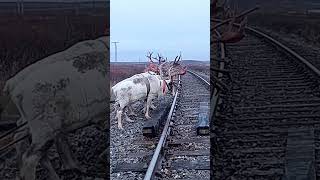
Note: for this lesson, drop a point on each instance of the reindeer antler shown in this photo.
(150, 56)
(156, 58)
(159, 58)
(164, 60)
(177, 59)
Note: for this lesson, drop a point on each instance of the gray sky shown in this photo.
(165, 26)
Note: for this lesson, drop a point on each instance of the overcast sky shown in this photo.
(165, 26)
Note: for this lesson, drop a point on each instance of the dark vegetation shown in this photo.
(31, 37)
(307, 27)
(122, 71)
(35, 35)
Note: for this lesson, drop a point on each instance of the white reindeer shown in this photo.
(145, 86)
(51, 98)
(138, 87)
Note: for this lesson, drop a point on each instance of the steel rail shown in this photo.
(166, 131)
(13, 142)
(12, 130)
(198, 76)
(279, 44)
(152, 168)
(285, 48)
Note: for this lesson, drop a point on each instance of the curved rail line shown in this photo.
(159, 157)
(266, 126)
(161, 144)
(162, 147)
(200, 77)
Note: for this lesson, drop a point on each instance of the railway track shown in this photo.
(179, 153)
(309, 52)
(267, 124)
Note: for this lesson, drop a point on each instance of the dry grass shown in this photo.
(307, 27)
(122, 71)
(27, 39)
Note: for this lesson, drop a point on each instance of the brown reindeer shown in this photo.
(231, 35)
(151, 66)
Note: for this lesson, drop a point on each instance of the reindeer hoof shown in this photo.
(120, 127)
(148, 117)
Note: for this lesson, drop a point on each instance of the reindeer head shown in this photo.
(152, 66)
(177, 68)
(171, 70)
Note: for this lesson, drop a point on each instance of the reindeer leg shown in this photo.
(131, 111)
(148, 106)
(153, 107)
(28, 155)
(66, 157)
(119, 113)
(31, 158)
(126, 116)
(22, 145)
(45, 162)
(145, 106)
